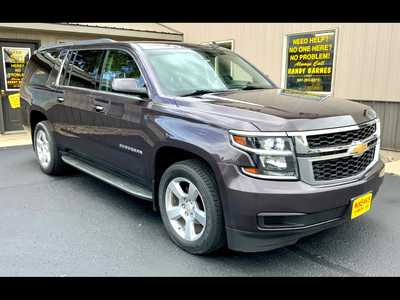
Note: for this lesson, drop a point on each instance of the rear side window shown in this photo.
(118, 64)
(59, 56)
(83, 68)
(40, 66)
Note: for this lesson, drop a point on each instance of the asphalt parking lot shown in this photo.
(78, 226)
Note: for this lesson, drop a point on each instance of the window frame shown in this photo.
(231, 41)
(129, 51)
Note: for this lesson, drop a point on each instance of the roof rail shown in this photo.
(81, 43)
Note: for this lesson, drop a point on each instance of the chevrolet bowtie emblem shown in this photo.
(358, 149)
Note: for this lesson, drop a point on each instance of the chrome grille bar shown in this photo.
(307, 155)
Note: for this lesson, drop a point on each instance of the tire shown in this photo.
(204, 238)
(54, 166)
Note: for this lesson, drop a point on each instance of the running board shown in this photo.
(110, 178)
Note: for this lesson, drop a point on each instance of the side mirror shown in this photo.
(128, 85)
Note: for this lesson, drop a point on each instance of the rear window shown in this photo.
(40, 66)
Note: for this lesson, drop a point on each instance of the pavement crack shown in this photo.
(323, 261)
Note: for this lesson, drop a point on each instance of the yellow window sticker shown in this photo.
(14, 100)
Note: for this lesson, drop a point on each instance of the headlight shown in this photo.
(273, 155)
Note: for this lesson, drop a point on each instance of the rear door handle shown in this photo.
(99, 108)
(60, 99)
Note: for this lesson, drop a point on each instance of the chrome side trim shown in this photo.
(114, 180)
(76, 88)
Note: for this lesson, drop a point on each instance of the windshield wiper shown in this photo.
(201, 92)
(252, 87)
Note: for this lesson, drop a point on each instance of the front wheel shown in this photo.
(190, 207)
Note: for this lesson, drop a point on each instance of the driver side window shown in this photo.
(231, 72)
(118, 64)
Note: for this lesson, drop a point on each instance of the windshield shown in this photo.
(185, 71)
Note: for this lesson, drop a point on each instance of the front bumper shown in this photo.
(262, 215)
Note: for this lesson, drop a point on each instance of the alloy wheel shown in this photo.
(185, 209)
(43, 148)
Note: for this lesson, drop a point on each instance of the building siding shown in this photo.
(388, 113)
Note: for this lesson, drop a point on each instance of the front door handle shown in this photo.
(99, 108)
(60, 99)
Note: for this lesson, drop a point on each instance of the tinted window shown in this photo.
(40, 66)
(59, 57)
(83, 68)
(118, 64)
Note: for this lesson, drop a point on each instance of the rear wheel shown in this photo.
(46, 150)
(190, 207)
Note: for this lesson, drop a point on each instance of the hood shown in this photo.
(279, 109)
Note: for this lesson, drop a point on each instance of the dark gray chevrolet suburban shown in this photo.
(227, 157)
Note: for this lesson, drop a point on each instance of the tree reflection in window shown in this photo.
(119, 64)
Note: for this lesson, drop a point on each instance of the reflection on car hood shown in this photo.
(278, 109)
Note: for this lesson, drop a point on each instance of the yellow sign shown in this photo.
(361, 205)
(15, 101)
(14, 63)
(359, 149)
(309, 61)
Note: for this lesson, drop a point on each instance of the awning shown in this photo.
(126, 31)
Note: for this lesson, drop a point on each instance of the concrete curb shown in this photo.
(15, 139)
(393, 168)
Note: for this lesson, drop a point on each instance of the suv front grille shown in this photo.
(340, 138)
(342, 167)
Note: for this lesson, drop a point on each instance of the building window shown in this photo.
(228, 44)
(309, 60)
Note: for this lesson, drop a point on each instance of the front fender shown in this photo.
(208, 142)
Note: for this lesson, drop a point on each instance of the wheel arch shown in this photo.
(167, 154)
(35, 116)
